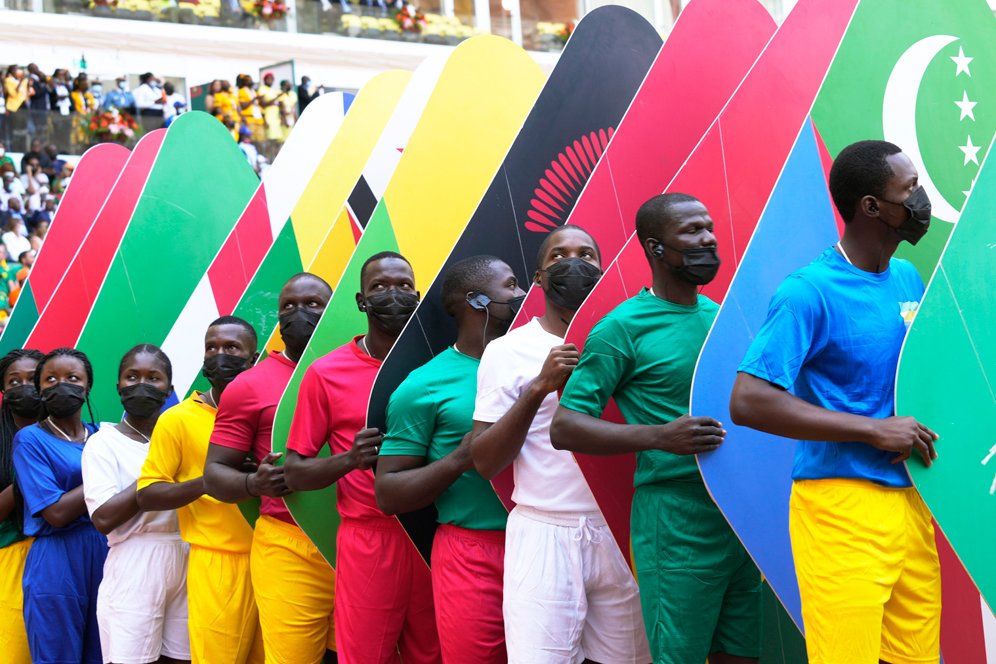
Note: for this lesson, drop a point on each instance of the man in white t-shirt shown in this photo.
(569, 594)
(149, 102)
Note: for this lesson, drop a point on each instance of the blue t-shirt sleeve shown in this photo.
(35, 474)
(793, 332)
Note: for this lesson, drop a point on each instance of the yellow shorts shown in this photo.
(13, 637)
(868, 572)
(222, 616)
(295, 592)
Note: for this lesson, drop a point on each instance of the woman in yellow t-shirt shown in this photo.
(224, 108)
(249, 108)
(84, 104)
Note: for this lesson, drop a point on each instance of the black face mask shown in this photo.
(63, 399)
(297, 326)
(24, 401)
(917, 224)
(569, 281)
(514, 304)
(698, 266)
(142, 400)
(221, 369)
(391, 309)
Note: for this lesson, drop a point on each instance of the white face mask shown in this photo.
(2, 152)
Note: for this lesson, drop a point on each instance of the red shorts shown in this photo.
(467, 571)
(383, 596)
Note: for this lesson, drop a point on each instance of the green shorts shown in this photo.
(700, 591)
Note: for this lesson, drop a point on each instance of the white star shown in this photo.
(966, 106)
(962, 62)
(971, 152)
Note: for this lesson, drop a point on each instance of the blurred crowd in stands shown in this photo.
(75, 111)
(70, 113)
(28, 199)
(259, 115)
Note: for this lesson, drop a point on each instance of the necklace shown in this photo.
(843, 253)
(63, 433)
(124, 420)
(365, 348)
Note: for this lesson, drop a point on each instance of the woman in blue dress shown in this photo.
(65, 563)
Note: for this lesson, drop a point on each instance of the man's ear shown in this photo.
(255, 357)
(360, 304)
(869, 206)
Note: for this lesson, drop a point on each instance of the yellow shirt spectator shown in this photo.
(271, 112)
(15, 91)
(176, 454)
(83, 102)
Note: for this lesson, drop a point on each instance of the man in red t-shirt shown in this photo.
(383, 588)
(294, 585)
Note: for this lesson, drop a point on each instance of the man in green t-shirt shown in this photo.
(700, 591)
(425, 458)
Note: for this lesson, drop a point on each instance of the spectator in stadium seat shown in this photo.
(268, 97)
(174, 104)
(40, 102)
(248, 106)
(288, 108)
(55, 164)
(305, 95)
(4, 157)
(42, 223)
(119, 97)
(149, 102)
(15, 91)
(15, 230)
(8, 271)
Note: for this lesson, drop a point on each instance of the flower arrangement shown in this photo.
(564, 33)
(410, 19)
(110, 125)
(269, 10)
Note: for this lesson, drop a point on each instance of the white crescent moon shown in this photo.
(899, 114)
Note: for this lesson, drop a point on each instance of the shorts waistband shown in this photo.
(492, 536)
(852, 483)
(386, 524)
(288, 529)
(565, 519)
(152, 538)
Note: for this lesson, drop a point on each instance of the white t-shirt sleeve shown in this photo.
(499, 384)
(100, 473)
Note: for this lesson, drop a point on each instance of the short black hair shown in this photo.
(379, 256)
(235, 320)
(548, 240)
(860, 170)
(153, 350)
(300, 276)
(144, 78)
(463, 277)
(657, 214)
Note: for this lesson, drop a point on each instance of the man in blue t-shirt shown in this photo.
(822, 370)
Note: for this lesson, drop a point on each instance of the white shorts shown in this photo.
(569, 594)
(142, 601)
